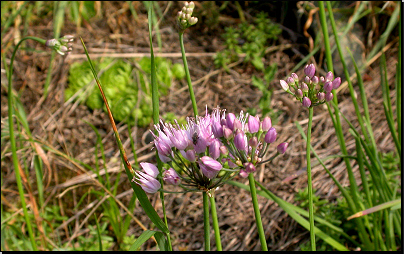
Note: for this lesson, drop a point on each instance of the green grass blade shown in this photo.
(98, 232)
(143, 199)
(146, 235)
(161, 241)
(375, 208)
(156, 113)
(292, 213)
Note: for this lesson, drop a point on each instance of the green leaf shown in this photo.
(146, 235)
(292, 213)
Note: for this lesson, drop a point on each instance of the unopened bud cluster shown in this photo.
(313, 90)
(184, 16)
(210, 150)
(62, 46)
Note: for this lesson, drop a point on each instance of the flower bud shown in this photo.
(266, 124)
(306, 102)
(322, 79)
(336, 83)
(281, 148)
(191, 5)
(224, 151)
(270, 137)
(150, 169)
(295, 77)
(189, 11)
(253, 124)
(305, 87)
(284, 85)
(193, 20)
(328, 86)
(217, 129)
(227, 133)
(52, 43)
(239, 141)
(307, 80)
(189, 155)
(249, 167)
(329, 76)
(290, 81)
(237, 125)
(230, 121)
(309, 70)
(320, 96)
(209, 167)
(243, 174)
(315, 80)
(299, 93)
(253, 142)
(329, 96)
(170, 176)
(146, 182)
(214, 151)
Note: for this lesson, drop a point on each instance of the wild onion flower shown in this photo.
(210, 150)
(184, 16)
(62, 46)
(147, 179)
(312, 90)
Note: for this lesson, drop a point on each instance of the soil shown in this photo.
(62, 126)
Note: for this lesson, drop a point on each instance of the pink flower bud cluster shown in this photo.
(212, 149)
(313, 90)
(184, 16)
(62, 46)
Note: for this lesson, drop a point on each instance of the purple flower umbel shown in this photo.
(312, 90)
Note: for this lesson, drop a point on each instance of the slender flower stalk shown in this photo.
(312, 91)
(215, 222)
(12, 139)
(258, 221)
(309, 183)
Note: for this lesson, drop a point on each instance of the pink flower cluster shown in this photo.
(210, 150)
(312, 91)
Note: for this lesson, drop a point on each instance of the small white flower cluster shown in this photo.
(62, 46)
(185, 18)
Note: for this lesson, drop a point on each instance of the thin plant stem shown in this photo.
(206, 227)
(215, 222)
(258, 221)
(309, 183)
(156, 113)
(12, 139)
(184, 59)
(205, 198)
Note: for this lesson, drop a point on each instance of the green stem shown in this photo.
(260, 228)
(215, 222)
(206, 227)
(156, 113)
(309, 183)
(184, 59)
(12, 139)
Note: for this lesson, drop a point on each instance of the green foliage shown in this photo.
(334, 213)
(120, 87)
(254, 38)
(263, 86)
